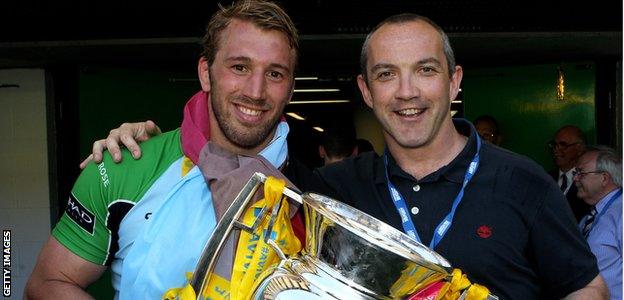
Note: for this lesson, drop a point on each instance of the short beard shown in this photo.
(248, 139)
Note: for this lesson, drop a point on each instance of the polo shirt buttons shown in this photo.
(416, 188)
(415, 210)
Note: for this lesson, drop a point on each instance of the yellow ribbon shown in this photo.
(458, 283)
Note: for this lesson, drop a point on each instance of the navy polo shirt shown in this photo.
(513, 231)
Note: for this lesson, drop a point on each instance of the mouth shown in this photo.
(248, 114)
(248, 111)
(410, 112)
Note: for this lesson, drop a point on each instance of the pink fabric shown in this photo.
(195, 128)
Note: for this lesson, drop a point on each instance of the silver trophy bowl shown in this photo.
(351, 255)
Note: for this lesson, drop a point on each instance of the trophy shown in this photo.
(347, 254)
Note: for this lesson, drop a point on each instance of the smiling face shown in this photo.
(409, 87)
(250, 82)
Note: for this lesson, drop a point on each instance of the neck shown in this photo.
(426, 159)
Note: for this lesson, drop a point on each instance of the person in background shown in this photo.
(598, 178)
(363, 146)
(567, 146)
(337, 144)
(487, 127)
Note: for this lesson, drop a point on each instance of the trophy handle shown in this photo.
(229, 221)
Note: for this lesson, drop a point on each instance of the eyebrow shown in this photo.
(248, 60)
(429, 60)
(382, 66)
(420, 62)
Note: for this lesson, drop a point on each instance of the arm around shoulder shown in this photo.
(61, 274)
(596, 289)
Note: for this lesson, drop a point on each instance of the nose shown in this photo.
(255, 86)
(408, 87)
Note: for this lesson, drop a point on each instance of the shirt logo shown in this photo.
(484, 231)
(80, 214)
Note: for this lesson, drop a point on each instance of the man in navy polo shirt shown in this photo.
(494, 214)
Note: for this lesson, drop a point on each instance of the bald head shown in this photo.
(406, 18)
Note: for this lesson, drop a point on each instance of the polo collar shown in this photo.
(453, 172)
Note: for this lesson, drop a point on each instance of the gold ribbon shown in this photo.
(458, 283)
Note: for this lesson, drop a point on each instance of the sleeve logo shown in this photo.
(80, 215)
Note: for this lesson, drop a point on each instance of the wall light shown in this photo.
(296, 116)
(560, 84)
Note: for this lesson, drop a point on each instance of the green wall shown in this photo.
(523, 101)
(110, 96)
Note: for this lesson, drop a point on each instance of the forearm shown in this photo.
(596, 289)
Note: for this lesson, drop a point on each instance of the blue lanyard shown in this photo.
(604, 209)
(443, 227)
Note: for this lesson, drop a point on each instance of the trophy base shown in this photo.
(307, 278)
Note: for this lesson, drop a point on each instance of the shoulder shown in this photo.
(158, 153)
(84, 227)
(514, 167)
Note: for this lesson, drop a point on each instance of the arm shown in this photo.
(596, 289)
(61, 274)
(127, 134)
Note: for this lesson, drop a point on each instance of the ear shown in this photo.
(364, 90)
(203, 72)
(322, 152)
(456, 82)
(292, 91)
(606, 179)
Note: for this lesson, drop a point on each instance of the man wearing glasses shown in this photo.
(567, 147)
(598, 177)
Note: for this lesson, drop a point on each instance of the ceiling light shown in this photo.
(453, 112)
(456, 101)
(318, 102)
(296, 116)
(316, 90)
(306, 78)
(319, 129)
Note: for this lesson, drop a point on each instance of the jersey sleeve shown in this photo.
(83, 227)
